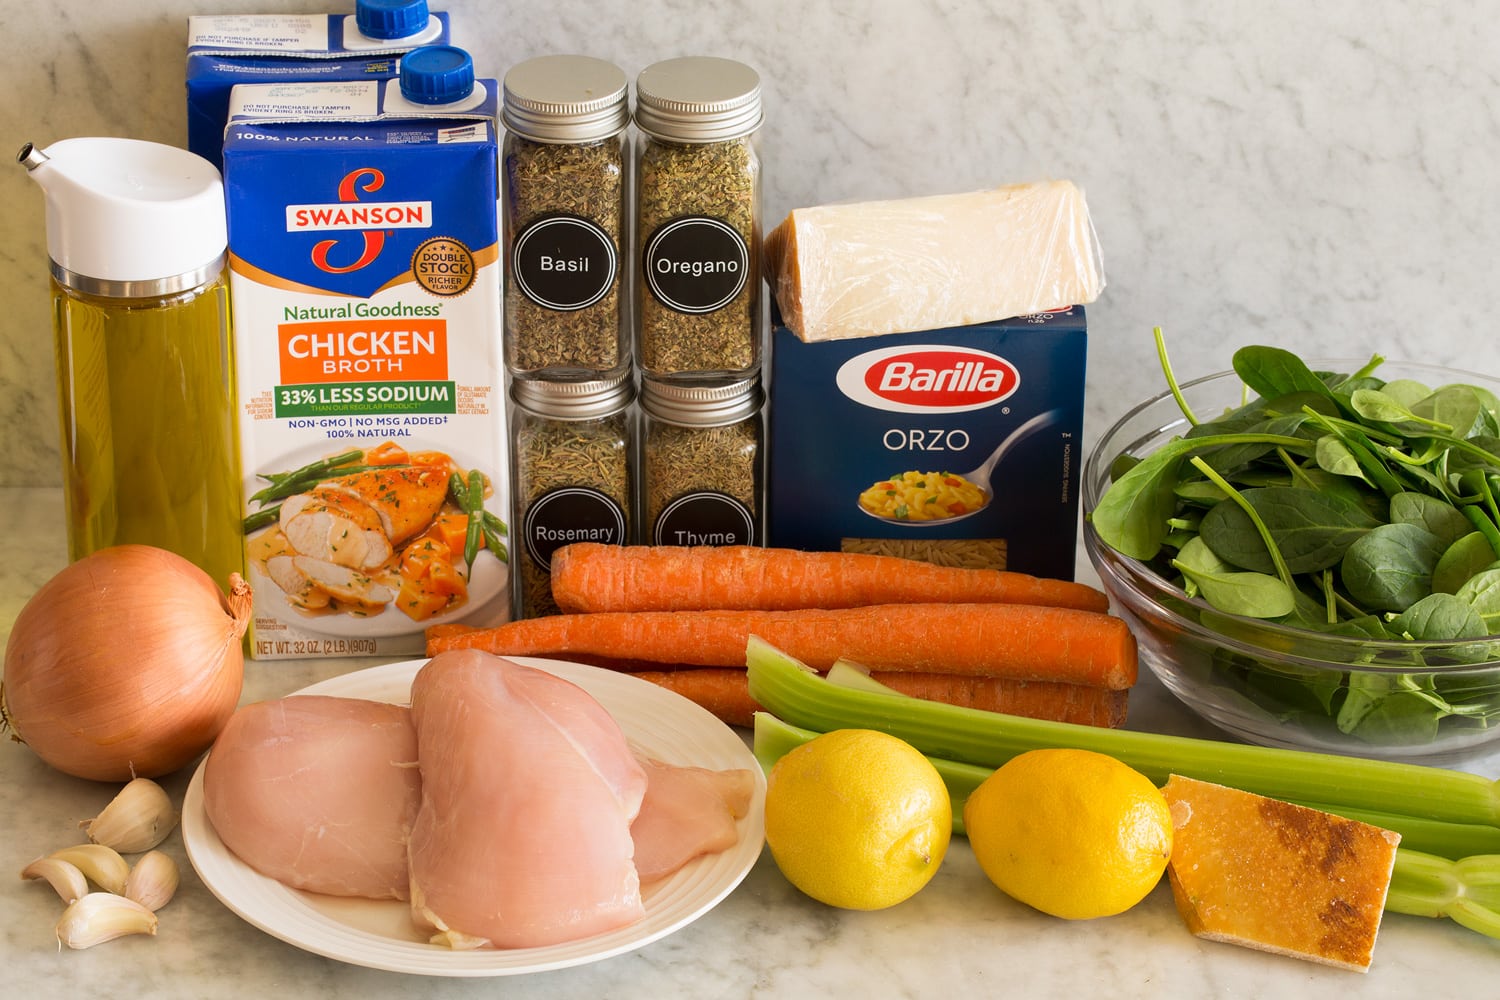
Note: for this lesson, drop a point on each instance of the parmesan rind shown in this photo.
(1277, 877)
(900, 266)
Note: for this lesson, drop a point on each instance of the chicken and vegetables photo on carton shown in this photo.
(365, 276)
(927, 376)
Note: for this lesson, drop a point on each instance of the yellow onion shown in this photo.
(125, 664)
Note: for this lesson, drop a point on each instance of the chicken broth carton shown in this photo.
(366, 291)
(229, 49)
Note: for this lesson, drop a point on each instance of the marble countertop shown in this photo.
(959, 936)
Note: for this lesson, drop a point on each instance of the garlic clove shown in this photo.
(137, 819)
(101, 865)
(63, 876)
(102, 916)
(152, 881)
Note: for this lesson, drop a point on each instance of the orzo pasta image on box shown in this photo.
(959, 446)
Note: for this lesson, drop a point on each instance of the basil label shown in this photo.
(564, 262)
(705, 518)
(571, 514)
(696, 264)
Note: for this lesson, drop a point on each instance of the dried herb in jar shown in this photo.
(701, 463)
(698, 219)
(572, 478)
(565, 164)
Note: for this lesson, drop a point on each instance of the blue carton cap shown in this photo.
(390, 18)
(436, 74)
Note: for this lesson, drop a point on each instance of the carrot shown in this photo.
(589, 576)
(1020, 641)
(725, 691)
(1059, 702)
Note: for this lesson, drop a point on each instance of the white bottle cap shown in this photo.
(128, 218)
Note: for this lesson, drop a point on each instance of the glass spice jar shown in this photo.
(698, 219)
(566, 168)
(572, 475)
(702, 462)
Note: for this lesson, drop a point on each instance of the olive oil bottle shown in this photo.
(141, 319)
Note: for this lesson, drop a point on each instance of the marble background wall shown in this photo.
(1318, 176)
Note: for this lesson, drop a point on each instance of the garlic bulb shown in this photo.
(152, 881)
(102, 916)
(136, 819)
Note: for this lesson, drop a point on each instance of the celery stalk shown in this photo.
(796, 694)
(1467, 891)
(774, 738)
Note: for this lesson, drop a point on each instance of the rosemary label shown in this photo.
(696, 264)
(564, 262)
(571, 514)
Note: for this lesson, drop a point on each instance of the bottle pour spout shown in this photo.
(128, 218)
(30, 157)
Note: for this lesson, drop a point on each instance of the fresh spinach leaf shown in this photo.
(1235, 592)
(1273, 371)
(1311, 529)
(1441, 518)
(1482, 592)
(1377, 405)
(1461, 561)
(1335, 457)
(1438, 618)
(1390, 567)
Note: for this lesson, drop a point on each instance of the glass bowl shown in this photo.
(1278, 685)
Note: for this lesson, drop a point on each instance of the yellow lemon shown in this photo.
(857, 819)
(1073, 833)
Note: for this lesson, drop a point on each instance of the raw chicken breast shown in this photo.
(317, 793)
(687, 812)
(528, 792)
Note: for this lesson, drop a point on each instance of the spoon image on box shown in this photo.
(979, 478)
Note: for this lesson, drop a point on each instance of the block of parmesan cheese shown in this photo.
(868, 268)
(1282, 878)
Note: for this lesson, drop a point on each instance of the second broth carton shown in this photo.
(365, 279)
(229, 49)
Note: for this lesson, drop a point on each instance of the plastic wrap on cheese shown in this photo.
(877, 267)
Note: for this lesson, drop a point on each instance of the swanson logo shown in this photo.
(927, 378)
(369, 219)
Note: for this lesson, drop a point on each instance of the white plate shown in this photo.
(379, 934)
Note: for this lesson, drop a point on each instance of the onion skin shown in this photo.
(125, 664)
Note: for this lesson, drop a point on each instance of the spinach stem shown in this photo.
(1484, 525)
(1282, 570)
(1166, 368)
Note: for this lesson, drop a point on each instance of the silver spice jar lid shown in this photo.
(565, 98)
(569, 400)
(701, 404)
(698, 99)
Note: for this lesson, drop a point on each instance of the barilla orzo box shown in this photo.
(961, 446)
(364, 255)
(229, 49)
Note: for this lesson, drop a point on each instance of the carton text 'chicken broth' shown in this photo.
(366, 288)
